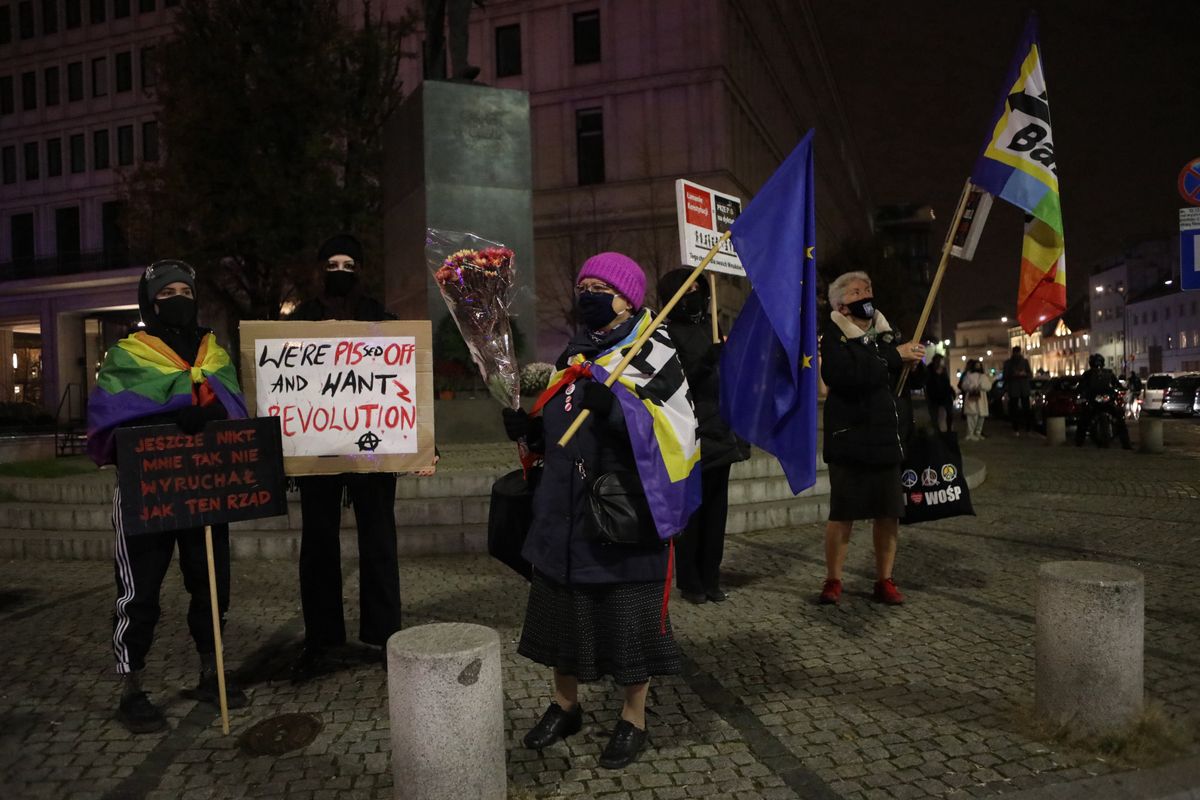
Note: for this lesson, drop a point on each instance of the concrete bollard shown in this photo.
(1150, 437)
(1056, 430)
(1090, 625)
(446, 704)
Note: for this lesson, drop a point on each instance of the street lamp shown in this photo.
(1004, 319)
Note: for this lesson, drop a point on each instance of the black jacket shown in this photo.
(354, 306)
(692, 337)
(1099, 381)
(862, 415)
(556, 544)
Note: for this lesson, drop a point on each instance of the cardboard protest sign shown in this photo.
(350, 396)
(229, 472)
(704, 214)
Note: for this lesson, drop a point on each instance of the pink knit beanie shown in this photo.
(620, 272)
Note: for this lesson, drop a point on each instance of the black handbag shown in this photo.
(510, 517)
(617, 511)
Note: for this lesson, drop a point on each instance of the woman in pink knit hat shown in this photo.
(595, 608)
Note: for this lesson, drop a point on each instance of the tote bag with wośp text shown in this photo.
(932, 479)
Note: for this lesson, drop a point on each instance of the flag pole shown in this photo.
(712, 306)
(636, 347)
(937, 278)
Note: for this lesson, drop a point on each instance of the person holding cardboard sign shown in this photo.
(172, 371)
(373, 496)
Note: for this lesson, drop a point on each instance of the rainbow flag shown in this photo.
(141, 377)
(1017, 164)
(653, 394)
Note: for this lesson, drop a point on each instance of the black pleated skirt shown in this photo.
(597, 630)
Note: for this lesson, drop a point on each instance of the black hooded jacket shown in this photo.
(699, 355)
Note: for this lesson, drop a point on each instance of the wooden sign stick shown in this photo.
(216, 618)
(712, 306)
(636, 347)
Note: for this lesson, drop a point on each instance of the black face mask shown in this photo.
(693, 304)
(595, 309)
(338, 283)
(176, 312)
(862, 309)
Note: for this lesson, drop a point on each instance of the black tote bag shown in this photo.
(932, 479)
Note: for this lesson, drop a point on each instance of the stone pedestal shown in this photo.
(1089, 634)
(1056, 430)
(446, 704)
(457, 157)
(1150, 434)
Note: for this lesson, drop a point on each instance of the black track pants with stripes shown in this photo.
(141, 562)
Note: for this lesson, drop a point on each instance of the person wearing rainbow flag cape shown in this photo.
(597, 608)
(172, 371)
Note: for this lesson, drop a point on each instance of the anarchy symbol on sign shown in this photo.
(368, 442)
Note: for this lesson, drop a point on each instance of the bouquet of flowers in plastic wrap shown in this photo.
(476, 277)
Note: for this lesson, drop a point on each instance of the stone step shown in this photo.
(416, 540)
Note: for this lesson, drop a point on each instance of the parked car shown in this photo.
(1180, 397)
(1152, 393)
(1061, 399)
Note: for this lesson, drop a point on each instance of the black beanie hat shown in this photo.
(342, 244)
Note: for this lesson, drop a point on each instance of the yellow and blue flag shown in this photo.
(768, 367)
(1018, 165)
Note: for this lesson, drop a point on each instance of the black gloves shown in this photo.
(516, 423)
(597, 398)
(192, 419)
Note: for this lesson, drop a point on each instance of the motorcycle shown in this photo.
(1103, 409)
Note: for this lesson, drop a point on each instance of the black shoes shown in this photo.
(555, 724)
(695, 598)
(139, 715)
(717, 596)
(623, 748)
(311, 663)
(207, 691)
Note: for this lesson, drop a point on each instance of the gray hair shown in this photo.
(837, 289)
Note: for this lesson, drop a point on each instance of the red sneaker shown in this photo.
(886, 592)
(831, 592)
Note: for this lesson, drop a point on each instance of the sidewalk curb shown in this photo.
(1179, 780)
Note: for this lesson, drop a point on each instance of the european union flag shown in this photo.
(768, 367)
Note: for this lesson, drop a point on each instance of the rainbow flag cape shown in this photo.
(1017, 164)
(654, 398)
(142, 376)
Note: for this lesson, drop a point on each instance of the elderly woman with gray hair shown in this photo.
(861, 360)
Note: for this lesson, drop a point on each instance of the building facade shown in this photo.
(77, 112)
(626, 96)
(1113, 284)
(1164, 330)
(984, 338)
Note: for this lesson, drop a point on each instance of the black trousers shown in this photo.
(699, 550)
(373, 496)
(140, 564)
(1019, 412)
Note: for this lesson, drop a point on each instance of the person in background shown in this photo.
(171, 372)
(595, 608)
(1099, 380)
(372, 494)
(974, 386)
(939, 395)
(700, 549)
(861, 361)
(1018, 386)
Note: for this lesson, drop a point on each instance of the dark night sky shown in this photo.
(919, 81)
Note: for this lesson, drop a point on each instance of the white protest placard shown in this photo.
(704, 214)
(350, 396)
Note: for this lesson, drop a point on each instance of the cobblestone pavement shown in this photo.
(780, 697)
